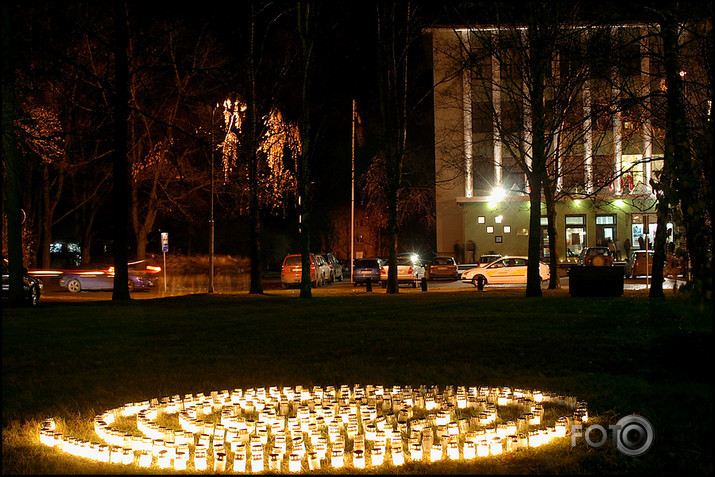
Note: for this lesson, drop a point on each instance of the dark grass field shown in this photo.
(624, 355)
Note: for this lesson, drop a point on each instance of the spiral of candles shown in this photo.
(299, 429)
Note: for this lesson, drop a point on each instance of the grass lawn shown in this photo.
(624, 355)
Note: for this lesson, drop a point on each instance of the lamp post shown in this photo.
(211, 220)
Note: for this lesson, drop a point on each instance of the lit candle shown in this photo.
(483, 448)
(163, 459)
(453, 450)
(495, 446)
(469, 450)
(127, 456)
(181, 459)
(220, 462)
(436, 452)
(200, 459)
(145, 459)
(115, 455)
(398, 457)
(377, 455)
(337, 458)
(239, 462)
(257, 463)
(294, 462)
(99, 452)
(359, 459)
(274, 461)
(313, 461)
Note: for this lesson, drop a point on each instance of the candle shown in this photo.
(337, 458)
(181, 459)
(469, 450)
(257, 463)
(313, 461)
(145, 459)
(453, 450)
(220, 462)
(359, 459)
(377, 455)
(294, 462)
(200, 459)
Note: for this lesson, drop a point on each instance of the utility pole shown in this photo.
(211, 220)
(352, 192)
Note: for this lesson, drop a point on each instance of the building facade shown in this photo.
(601, 157)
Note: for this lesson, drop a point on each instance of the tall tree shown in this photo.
(682, 170)
(120, 169)
(395, 33)
(306, 15)
(12, 161)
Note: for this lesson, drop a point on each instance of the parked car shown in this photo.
(32, 287)
(84, 280)
(637, 265)
(504, 270)
(486, 258)
(365, 268)
(463, 267)
(325, 270)
(441, 267)
(292, 271)
(336, 268)
(409, 270)
(596, 256)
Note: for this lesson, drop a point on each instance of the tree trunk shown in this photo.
(656, 284)
(685, 179)
(120, 189)
(12, 162)
(554, 281)
(254, 218)
(538, 63)
(46, 222)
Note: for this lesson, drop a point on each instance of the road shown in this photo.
(53, 293)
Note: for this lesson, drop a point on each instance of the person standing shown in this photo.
(458, 251)
(618, 249)
(471, 248)
(627, 248)
(612, 248)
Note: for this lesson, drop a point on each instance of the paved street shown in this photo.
(52, 292)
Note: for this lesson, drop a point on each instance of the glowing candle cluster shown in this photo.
(294, 429)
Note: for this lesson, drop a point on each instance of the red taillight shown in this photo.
(153, 269)
(410, 271)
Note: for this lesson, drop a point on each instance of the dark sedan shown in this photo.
(367, 268)
(442, 267)
(32, 287)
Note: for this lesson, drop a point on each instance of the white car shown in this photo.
(409, 270)
(503, 270)
(325, 271)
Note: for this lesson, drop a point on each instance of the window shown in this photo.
(497, 239)
(605, 228)
(490, 229)
(575, 234)
(507, 229)
(481, 219)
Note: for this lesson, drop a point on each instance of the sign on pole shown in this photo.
(164, 249)
(165, 242)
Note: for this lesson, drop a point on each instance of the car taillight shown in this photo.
(411, 270)
(153, 269)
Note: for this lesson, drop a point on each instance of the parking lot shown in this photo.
(52, 293)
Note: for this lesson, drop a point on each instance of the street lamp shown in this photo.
(211, 220)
